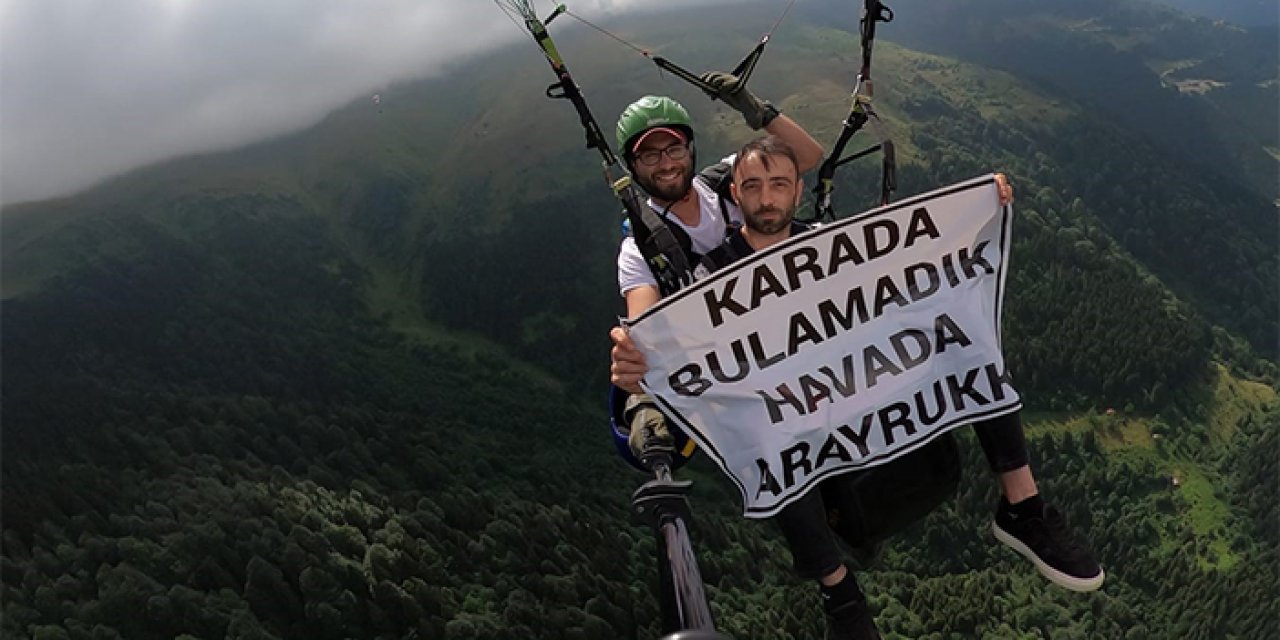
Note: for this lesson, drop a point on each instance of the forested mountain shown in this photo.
(1247, 13)
(1163, 104)
(347, 383)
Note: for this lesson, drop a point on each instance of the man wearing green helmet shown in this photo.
(656, 137)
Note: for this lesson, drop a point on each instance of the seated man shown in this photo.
(767, 188)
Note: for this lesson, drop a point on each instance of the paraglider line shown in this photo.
(637, 49)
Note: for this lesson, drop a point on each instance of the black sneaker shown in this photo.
(848, 617)
(1045, 540)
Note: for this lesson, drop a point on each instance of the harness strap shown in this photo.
(860, 114)
(742, 71)
(676, 240)
(719, 177)
(660, 248)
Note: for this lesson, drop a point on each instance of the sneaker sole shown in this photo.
(1059, 578)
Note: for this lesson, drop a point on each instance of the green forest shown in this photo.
(350, 383)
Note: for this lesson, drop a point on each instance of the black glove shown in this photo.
(758, 113)
(649, 434)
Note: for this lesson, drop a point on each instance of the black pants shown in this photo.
(804, 522)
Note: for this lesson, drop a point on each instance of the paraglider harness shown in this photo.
(860, 114)
(660, 248)
(660, 502)
(864, 507)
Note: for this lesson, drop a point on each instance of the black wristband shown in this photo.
(770, 112)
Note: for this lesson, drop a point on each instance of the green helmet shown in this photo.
(649, 112)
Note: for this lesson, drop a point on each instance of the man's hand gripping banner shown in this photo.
(841, 348)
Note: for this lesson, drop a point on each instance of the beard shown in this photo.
(756, 222)
(668, 191)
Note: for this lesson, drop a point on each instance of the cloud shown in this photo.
(93, 88)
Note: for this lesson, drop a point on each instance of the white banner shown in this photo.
(841, 348)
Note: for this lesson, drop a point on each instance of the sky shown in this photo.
(93, 88)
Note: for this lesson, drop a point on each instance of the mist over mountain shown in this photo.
(348, 382)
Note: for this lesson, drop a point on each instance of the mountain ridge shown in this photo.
(346, 384)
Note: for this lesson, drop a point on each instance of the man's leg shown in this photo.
(1018, 485)
(1024, 521)
(816, 556)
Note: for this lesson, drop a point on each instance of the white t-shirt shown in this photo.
(706, 235)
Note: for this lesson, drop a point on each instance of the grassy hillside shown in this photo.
(1124, 61)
